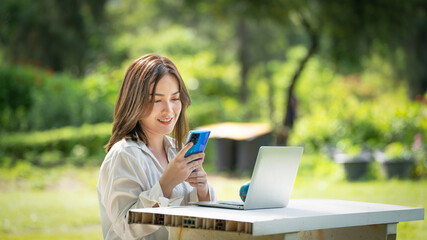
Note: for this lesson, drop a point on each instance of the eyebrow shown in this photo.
(159, 94)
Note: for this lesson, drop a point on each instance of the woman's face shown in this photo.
(166, 109)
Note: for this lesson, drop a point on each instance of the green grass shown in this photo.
(61, 203)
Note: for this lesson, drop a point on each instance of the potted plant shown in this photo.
(354, 158)
(396, 161)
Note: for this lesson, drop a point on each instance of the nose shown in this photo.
(167, 107)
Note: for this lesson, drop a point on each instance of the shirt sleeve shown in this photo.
(125, 186)
(154, 197)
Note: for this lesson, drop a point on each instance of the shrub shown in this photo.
(16, 84)
(397, 151)
(48, 148)
(34, 99)
(371, 125)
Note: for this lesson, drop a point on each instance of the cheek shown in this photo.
(155, 110)
(177, 108)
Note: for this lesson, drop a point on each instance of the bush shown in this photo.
(34, 99)
(16, 84)
(374, 129)
(75, 145)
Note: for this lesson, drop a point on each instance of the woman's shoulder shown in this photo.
(125, 143)
(125, 153)
(127, 147)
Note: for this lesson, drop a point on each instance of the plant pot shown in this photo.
(355, 170)
(397, 168)
(355, 167)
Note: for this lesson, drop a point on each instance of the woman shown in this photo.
(144, 167)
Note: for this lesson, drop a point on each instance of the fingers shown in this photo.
(199, 173)
(185, 149)
(197, 176)
(195, 157)
(197, 179)
(195, 164)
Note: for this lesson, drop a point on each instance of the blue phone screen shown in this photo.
(199, 139)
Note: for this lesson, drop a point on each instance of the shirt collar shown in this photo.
(170, 147)
(169, 143)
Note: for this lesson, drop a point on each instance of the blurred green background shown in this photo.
(345, 79)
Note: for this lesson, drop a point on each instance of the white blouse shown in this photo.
(129, 179)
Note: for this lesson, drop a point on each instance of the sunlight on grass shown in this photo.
(45, 211)
(226, 187)
(77, 233)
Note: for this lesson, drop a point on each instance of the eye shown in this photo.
(157, 101)
(176, 99)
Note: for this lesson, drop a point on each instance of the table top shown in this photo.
(301, 215)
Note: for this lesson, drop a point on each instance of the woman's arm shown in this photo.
(124, 185)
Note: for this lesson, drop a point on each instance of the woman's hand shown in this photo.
(199, 180)
(179, 169)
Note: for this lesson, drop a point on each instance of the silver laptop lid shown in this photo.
(273, 177)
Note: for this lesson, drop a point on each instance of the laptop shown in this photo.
(272, 180)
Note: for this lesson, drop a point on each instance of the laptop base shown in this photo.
(222, 204)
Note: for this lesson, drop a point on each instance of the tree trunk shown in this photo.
(270, 91)
(291, 101)
(242, 35)
(416, 57)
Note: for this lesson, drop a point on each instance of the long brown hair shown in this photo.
(133, 101)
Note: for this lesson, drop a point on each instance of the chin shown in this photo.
(168, 129)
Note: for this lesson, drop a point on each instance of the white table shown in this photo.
(302, 219)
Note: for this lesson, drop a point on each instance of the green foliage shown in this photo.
(397, 151)
(377, 127)
(75, 145)
(366, 109)
(16, 86)
(346, 146)
(395, 30)
(352, 108)
(35, 99)
(60, 35)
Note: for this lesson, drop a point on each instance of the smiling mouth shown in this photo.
(165, 121)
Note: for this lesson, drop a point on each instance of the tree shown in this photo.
(245, 16)
(343, 32)
(291, 100)
(356, 28)
(60, 35)
(248, 15)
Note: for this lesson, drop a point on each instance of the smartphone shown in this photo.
(199, 138)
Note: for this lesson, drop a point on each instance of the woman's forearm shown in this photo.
(166, 186)
(203, 194)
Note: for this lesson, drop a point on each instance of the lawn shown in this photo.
(61, 203)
